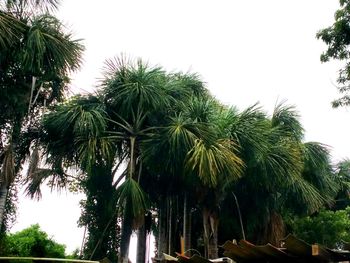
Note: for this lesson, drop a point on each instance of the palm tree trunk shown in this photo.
(187, 226)
(273, 231)
(125, 239)
(3, 197)
(7, 176)
(162, 228)
(170, 226)
(141, 245)
(210, 226)
(132, 158)
(127, 220)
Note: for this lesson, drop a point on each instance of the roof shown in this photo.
(292, 250)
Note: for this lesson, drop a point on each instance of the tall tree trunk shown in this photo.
(187, 226)
(170, 226)
(162, 228)
(3, 198)
(141, 245)
(7, 176)
(273, 231)
(210, 227)
(132, 164)
(128, 215)
(125, 239)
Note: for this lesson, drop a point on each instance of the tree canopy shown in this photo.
(37, 54)
(155, 151)
(31, 242)
(337, 39)
(166, 132)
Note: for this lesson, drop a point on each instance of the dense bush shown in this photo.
(31, 242)
(327, 227)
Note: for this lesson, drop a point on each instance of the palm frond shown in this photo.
(35, 181)
(133, 201)
(48, 49)
(318, 170)
(287, 118)
(76, 129)
(184, 86)
(249, 129)
(173, 141)
(25, 8)
(283, 159)
(11, 30)
(90, 150)
(342, 174)
(209, 161)
(305, 195)
(132, 88)
(200, 109)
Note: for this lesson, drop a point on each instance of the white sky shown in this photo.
(246, 51)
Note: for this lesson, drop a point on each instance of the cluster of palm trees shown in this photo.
(150, 149)
(158, 142)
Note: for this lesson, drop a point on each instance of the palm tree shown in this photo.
(36, 59)
(75, 136)
(141, 100)
(277, 174)
(165, 152)
(214, 160)
(14, 16)
(113, 127)
(134, 94)
(195, 156)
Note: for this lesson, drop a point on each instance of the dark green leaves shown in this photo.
(132, 201)
(337, 39)
(214, 161)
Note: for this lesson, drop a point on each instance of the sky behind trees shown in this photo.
(246, 52)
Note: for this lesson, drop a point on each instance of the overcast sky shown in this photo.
(245, 51)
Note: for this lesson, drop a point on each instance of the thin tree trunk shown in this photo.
(7, 176)
(170, 226)
(132, 158)
(125, 240)
(127, 220)
(210, 226)
(141, 245)
(206, 232)
(162, 225)
(3, 197)
(187, 226)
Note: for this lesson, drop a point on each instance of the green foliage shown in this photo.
(37, 54)
(10, 210)
(32, 242)
(342, 176)
(98, 214)
(210, 161)
(132, 200)
(326, 227)
(337, 39)
(281, 171)
(176, 138)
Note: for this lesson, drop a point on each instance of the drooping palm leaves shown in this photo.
(276, 174)
(174, 137)
(36, 57)
(75, 136)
